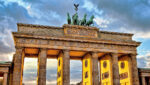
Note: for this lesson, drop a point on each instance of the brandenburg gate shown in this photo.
(108, 58)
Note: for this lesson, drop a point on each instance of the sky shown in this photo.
(127, 16)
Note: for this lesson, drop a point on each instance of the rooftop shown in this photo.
(5, 63)
(144, 69)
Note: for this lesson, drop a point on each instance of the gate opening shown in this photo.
(51, 72)
(75, 72)
(30, 71)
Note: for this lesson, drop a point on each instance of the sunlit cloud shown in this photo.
(143, 60)
(102, 23)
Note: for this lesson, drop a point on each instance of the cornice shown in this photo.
(75, 39)
(37, 26)
(118, 33)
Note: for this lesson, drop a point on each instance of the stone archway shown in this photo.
(94, 43)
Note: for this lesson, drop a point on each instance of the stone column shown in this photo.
(149, 80)
(100, 80)
(42, 59)
(115, 69)
(10, 77)
(66, 67)
(95, 77)
(18, 66)
(5, 77)
(135, 76)
(143, 80)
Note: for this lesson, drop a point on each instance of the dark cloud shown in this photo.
(128, 13)
(75, 71)
(5, 49)
(10, 14)
(15, 11)
(53, 12)
(51, 74)
(143, 61)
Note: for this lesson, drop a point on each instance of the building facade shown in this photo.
(111, 53)
(144, 75)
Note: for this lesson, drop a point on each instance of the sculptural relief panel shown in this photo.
(82, 32)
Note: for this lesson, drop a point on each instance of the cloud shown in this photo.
(132, 15)
(102, 23)
(6, 57)
(10, 14)
(137, 33)
(75, 71)
(15, 11)
(6, 46)
(47, 13)
(143, 60)
(30, 71)
(145, 35)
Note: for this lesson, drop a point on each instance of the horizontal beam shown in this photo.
(75, 58)
(52, 56)
(31, 55)
(80, 49)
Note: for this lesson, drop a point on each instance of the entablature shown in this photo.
(72, 37)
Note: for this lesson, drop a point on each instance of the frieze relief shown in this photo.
(74, 44)
(78, 32)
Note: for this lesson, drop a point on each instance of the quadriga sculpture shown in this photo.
(83, 21)
(76, 21)
(90, 22)
(68, 18)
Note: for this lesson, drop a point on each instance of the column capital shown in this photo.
(19, 50)
(94, 51)
(94, 54)
(114, 54)
(66, 50)
(43, 48)
(18, 47)
(5, 72)
(133, 55)
(40, 49)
